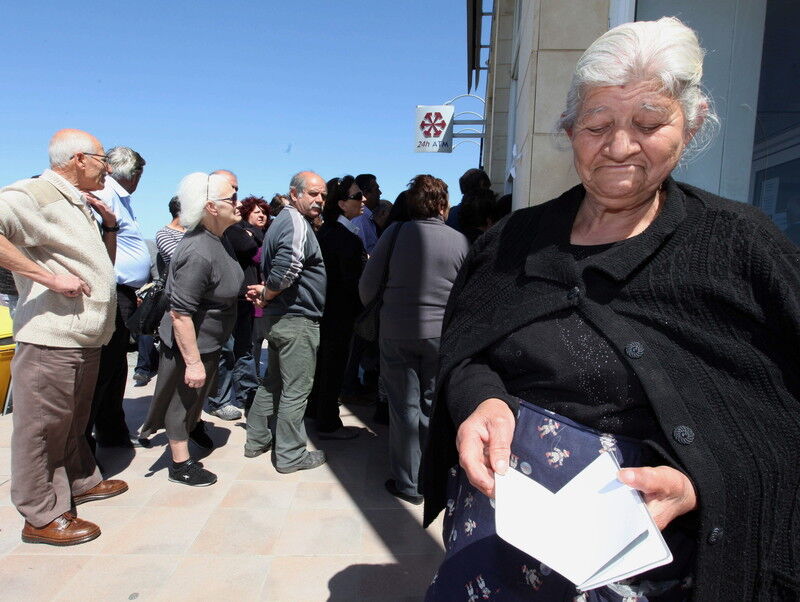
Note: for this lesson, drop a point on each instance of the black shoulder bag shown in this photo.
(147, 317)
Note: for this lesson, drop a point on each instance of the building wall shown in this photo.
(535, 45)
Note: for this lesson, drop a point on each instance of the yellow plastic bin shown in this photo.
(6, 355)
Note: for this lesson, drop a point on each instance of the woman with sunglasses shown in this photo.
(202, 286)
(344, 257)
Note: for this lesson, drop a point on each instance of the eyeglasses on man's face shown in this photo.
(102, 158)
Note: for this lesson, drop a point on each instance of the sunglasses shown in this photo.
(231, 200)
(356, 196)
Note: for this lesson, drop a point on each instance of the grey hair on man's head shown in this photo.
(124, 162)
(665, 52)
(298, 182)
(64, 144)
(194, 191)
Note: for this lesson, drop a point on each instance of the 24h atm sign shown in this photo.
(434, 129)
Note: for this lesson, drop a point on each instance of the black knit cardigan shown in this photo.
(705, 308)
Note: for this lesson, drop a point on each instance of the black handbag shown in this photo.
(147, 317)
(367, 322)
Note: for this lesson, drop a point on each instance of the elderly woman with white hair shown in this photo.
(203, 285)
(637, 316)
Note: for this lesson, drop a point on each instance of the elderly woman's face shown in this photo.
(626, 141)
(228, 210)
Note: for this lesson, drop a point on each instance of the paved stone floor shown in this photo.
(327, 534)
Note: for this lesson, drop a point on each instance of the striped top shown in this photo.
(166, 240)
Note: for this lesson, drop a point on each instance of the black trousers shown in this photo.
(334, 344)
(107, 418)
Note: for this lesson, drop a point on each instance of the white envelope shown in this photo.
(595, 530)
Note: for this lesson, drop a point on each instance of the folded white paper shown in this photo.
(595, 530)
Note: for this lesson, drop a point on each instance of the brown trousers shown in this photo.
(50, 458)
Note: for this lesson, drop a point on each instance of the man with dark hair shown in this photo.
(477, 213)
(132, 269)
(365, 222)
(474, 179)
(276, 205)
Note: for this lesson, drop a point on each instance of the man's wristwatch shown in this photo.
(114, 228)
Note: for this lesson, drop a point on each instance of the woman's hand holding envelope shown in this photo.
(484, 447)
(484, 443)
(667, 492)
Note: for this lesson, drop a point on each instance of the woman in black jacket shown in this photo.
(344, 257)
(657, 315)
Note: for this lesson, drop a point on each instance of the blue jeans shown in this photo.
(148, 356)
(408, 373)
(236, 376)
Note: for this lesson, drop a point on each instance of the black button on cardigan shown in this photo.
(683, 434)
(634, 350)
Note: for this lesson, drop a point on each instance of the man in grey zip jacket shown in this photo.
(293, 299)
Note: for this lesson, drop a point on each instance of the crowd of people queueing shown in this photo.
(295, 272)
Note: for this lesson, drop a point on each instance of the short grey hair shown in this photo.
(194, 191)
(298, 181)
(124, 162)
(63, 146)
(665, 52)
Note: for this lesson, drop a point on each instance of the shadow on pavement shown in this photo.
(416, 553)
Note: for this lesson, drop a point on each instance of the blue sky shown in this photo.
(263, 88)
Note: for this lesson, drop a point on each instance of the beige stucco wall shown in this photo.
(535, 45)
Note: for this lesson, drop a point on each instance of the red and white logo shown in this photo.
(433, 124)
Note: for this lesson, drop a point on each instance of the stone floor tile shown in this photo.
(261, 469)
(140, 490)
(395, 578)
(325, 474)
(328, 496)
(398, 532)
(259, 495)
(320, 533)
(123, 578)
(239, 531)
(5, 492)
(177, 495)
(34, 578)
(311, 579)
(5, 435)
(5, 462)
(227, 578)
(162, 531)
(11, 524)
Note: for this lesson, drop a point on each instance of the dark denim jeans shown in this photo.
(236, 375)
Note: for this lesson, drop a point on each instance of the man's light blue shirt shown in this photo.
(366, 229)
(132, 265)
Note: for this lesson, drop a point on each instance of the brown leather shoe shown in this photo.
(66, 530)
(101, 491)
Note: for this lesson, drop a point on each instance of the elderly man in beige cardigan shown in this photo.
(63, 268)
